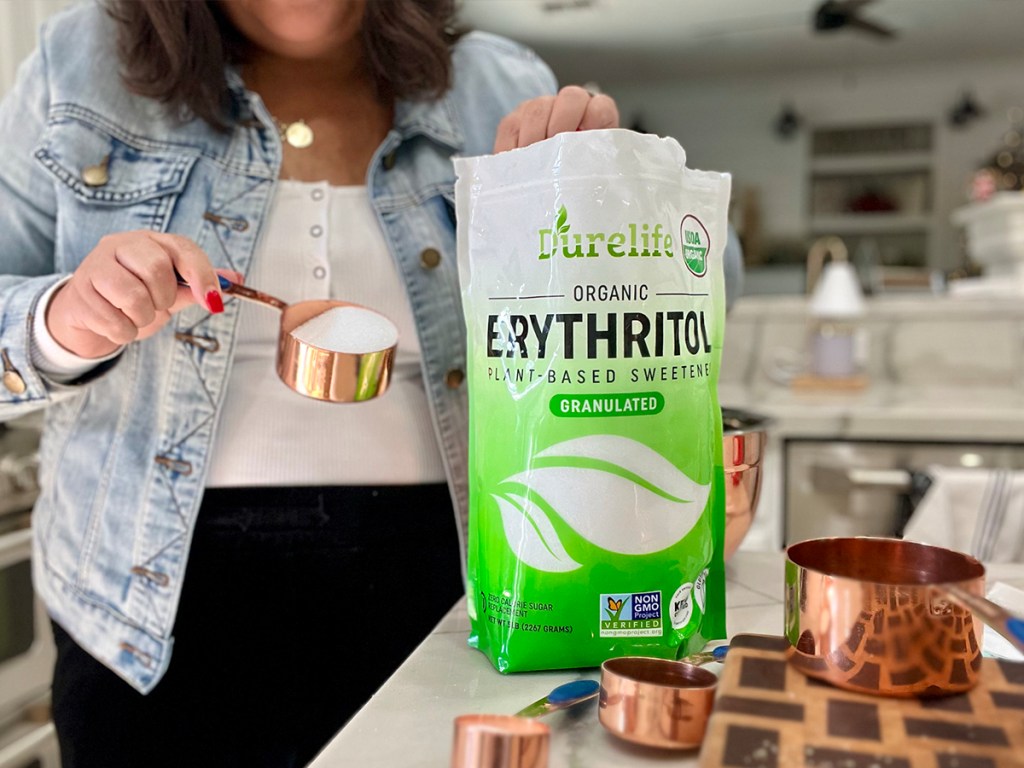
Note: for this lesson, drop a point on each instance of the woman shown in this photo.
(292, 552)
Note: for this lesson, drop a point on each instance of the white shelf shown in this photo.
(870, 223)
(871, 164)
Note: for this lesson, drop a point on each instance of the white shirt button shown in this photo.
(319, 273)
(317, 194)
(316, 230)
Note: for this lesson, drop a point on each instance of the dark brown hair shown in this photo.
(176, 51)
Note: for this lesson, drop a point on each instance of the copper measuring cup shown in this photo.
(343, 375)
(658, 702)
(888, 617)
(500, 741)
(506, 741)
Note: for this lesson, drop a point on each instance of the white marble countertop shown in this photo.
(409, 721)
(888, 412)
(937, 368)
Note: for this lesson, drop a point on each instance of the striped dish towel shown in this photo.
(978, 511)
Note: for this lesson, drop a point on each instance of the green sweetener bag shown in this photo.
(594, 296)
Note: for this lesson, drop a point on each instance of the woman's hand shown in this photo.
(126, 289)
(573, 109)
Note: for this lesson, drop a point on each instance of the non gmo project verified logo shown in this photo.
(631, 614)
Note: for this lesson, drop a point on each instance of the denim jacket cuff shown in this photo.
(23, 383)
(48, 356)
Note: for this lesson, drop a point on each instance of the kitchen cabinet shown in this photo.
(872, 186)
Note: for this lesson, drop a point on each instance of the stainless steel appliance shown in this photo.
(870, 487)
(27, 738)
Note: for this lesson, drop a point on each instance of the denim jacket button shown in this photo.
(96, 175)
(454, 378)
(430, 258)
(14, 383)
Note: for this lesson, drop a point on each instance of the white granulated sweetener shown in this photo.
(352, 330)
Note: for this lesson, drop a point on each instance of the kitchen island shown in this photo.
(409, 721)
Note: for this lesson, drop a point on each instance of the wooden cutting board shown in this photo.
(768, 715)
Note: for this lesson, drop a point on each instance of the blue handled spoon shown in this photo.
(563, 696)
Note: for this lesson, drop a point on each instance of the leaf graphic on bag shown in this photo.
(531, 535)
(560, 223)
(616, 493)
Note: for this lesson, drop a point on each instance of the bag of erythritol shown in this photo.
(591, 272)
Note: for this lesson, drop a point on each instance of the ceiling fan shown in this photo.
(836, 15)
(554, 6)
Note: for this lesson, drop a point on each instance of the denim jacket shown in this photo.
(124, 450)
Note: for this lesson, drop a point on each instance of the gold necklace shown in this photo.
(297, 134)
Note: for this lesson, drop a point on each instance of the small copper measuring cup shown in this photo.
(500, 741)
(887, 616)
(656, 702)
(345, 375)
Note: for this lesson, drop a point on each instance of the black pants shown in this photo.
(297, 605)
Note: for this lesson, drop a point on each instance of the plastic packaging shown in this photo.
(593, 290)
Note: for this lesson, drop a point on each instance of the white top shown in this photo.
(319, 242)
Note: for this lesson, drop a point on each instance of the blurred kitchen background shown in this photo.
(877, 161)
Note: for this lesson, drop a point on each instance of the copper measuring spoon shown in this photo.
(328, 350)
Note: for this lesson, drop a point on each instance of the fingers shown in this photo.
(600, 112)
(568, 110)
(95, 312)
(573, 109)
(507, 136)
(148, 263)
(126, 288)
(194, 266)
(534, 118)
(185, 297)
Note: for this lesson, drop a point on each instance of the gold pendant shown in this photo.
(298, 134)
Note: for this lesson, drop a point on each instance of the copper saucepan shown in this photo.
(316, 358)
(744, 438)
(886, 616)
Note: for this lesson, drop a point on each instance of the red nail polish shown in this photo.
(214, 302)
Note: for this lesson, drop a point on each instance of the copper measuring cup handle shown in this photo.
(1002, 621)
(251, 294)
(242, 292)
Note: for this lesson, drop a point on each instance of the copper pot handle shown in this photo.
(1006, 624)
